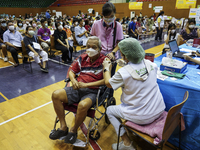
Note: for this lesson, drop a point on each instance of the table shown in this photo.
(173, 92)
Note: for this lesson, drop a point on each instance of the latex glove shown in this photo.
(121, 62)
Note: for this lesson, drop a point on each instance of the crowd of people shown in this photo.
(103, 36)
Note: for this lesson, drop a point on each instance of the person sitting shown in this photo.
(61, 43)
(190, 32)
(34, 25)
(87, 26)
(132, 29)
(3, 28)
(83, 90)
(80, 33)
(44, 35)
(29, 41)
(69, 33)
(141, 99)
(12, 39)
(20, 27)
(171, 34)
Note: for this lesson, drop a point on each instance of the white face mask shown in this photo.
(31, 32)
(60, 27)
(83, 23)
(135, 20)
(11, 28)
(91, 52)
(109, 21)
(76, 23)
(191, 26)
(172, 31)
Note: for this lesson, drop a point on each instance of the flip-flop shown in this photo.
(71, 138)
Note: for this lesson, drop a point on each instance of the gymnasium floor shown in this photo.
(26, 112)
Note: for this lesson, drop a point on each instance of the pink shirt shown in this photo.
(106, 35)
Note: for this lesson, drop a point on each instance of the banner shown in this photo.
(185, 4)
(135, 5)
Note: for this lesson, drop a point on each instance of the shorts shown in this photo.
(75, 96)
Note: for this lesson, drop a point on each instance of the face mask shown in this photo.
(11, 28)
(39, 25)
(34, 25)
(31, 32)
(66, 26)
(91, 52)
(3, 24)
(172, 31)
(20, 24)
(191, 26)
(83, 23)
(60, 27)
(152, 18)
(46, 25)
(109, 21)
(76, 23)
(61, 23)
(135, 20)
(27, 22)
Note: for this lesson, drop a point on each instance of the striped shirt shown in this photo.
(89, 72)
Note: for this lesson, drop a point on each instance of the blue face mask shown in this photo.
(20, 24)
(3, 24)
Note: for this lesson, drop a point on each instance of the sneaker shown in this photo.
(5, 59)
(71, 138)
(44, 70)
(122, 146)
(19, 56)
(58, 134)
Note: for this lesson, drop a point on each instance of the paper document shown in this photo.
(17, 44)
(187, 54)
(85, 42)
(36, 45)
(186, 50)
(48, 40)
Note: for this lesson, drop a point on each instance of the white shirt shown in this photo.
(172, 37)
(162, 21)
(140, 99)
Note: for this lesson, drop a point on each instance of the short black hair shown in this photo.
(108, 8)
(191, 20)
(9, 22)
(43, 20)
(79, 20)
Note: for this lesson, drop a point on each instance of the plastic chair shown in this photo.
(173, 119)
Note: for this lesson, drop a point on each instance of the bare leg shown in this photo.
(58, 97)
(83, 107)
(4, 50)
(125, 139)
(44, 64)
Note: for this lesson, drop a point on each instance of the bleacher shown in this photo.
(77, 2)
(26, 3)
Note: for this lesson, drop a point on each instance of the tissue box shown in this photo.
(178, 70)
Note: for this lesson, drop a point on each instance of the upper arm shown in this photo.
(116, 81)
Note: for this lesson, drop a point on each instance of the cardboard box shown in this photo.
(178, 70)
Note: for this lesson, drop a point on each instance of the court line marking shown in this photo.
(25, 113)
(4, 97)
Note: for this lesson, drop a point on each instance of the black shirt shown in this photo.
(1, 32)
(27, 40)
(60, 35)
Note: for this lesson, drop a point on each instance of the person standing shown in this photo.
(159, 25)
(109, 32)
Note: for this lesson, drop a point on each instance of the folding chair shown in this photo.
(168, 123)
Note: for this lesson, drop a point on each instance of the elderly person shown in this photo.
(141, 99)
(190, 32)
(83, 90)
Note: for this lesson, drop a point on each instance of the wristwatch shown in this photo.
(113, 53)
(105, 70)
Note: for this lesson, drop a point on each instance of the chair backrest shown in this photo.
(52, 42)
(23, 49)
(173, 119)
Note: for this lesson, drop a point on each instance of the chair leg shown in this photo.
(118, 137)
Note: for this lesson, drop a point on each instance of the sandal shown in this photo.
(71, 138)
(57, 134)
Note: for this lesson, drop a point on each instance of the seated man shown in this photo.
(141, 99)
(81, 32)
(132, 29)
(44, 35)
(12, 39)
(83, 91)
(3, 28)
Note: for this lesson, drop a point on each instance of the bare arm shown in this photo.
(167, 40)
(198, 32)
